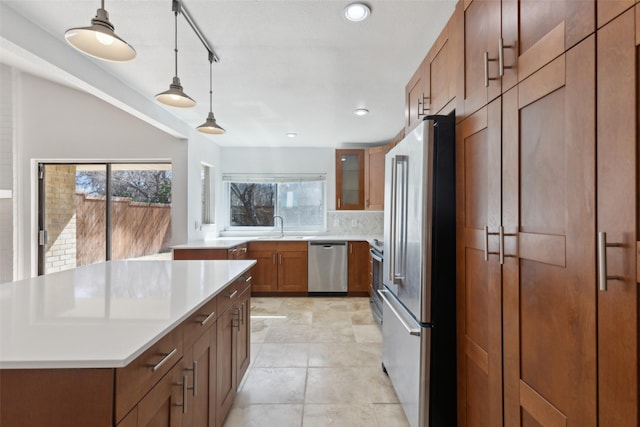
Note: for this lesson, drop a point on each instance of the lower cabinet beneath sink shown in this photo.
(281, 267)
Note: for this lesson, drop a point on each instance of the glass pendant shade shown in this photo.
(99, 41)
(210, 126)
(175, 96)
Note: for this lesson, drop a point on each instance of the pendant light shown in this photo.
(99, 41)
(210, 126)
(175, 96)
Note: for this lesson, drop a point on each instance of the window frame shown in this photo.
(277, 179)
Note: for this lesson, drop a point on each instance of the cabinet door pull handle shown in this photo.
(185, 389)
(194, 369)
(501, 48)
(233, 294)
(195, 378)
(242, 314)
(486, 243)
(422, 106)
(248, 279)
(165, 358)
(338, 203)
(603, 277)
(486, 69)
(209, 317)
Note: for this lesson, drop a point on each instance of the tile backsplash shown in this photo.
(355, 222)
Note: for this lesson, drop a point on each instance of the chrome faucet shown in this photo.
(281, 224)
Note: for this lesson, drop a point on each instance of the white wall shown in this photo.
(56, 123)
(202, 150)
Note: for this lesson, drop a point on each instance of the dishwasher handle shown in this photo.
(327, 244)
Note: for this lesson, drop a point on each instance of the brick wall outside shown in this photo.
(60, 217)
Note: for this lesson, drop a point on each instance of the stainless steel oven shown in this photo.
(377, 259)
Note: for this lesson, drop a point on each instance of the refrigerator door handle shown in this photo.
(398, 240)
(412, 331)
(392, 247)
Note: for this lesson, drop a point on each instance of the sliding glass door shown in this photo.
(90, 213)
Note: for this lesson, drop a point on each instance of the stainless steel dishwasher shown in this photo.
(327, 267)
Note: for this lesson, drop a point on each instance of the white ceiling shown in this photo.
(286, 65)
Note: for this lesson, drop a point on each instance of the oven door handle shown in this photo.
(375, 256)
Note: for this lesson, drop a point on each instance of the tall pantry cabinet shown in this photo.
(547, 213)
(617, 212)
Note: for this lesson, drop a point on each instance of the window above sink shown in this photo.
(252, 203)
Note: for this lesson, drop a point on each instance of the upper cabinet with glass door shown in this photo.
(350, 179)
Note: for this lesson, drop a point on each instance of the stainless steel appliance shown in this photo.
(419, 313)
(328, 267)
(377, 253)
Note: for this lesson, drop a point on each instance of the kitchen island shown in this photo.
(124, 342)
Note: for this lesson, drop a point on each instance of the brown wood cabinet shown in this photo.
(478, 276)
(205, 254)
(233, 350)
(350, 179)
(374, 178)
(505, 42)
(617, 213)
(281, 266)
(417, 93)
(199, 366)
(163, 406)
(548, 216)
(236, 252)
(359, 267)
(433, 86)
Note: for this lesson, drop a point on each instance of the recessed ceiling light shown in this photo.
(360, 111)
(356, 12)
(292, 134)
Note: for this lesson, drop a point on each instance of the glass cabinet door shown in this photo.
(350, 179)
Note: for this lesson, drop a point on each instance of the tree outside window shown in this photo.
(301, 203)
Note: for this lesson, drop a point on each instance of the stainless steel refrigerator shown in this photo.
(419, 317)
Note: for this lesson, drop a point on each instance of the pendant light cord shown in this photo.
(210, 82)
(176, 40)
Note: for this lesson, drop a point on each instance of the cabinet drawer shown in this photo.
(207, 254)
(200, 321)
(233, 291)
(137, 378)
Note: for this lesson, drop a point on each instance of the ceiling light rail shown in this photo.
(179, 7)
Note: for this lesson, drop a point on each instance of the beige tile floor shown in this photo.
(315, 362)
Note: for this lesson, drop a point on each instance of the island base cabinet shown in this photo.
(199, 371)
(226, 354)
(233, 351)
(163, 406)
(243, 356)
(56, 397)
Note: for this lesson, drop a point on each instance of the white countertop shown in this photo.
(229, 242)
(103, 315)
